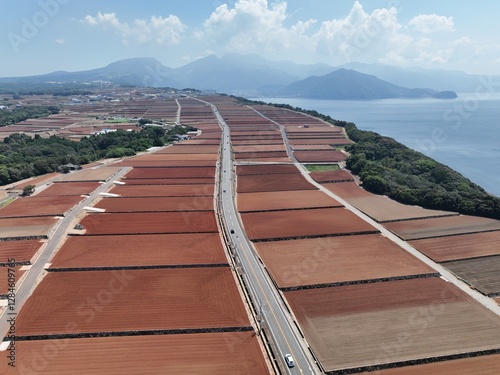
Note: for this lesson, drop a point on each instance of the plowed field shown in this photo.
(150, 223)
(301, 223)
(272, 182)
(482, 273)
(171, 181)
(98, 174)
(242, 170)
(235, 353)
(26, 227)
(69, 188)
(442, 226)
(113, 301)
(192, 172)
(156, 204)
(347, 190)
(140, 250)
(319, 156)
(39, 206)
(337, 259)
(331, 176)
(364, 325)
(459, 247)
(282, 200)
(21, 251)
(194, 190)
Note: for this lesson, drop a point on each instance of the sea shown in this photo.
(463, 133)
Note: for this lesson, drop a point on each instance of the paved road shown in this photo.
(24, 290)
(263, 292)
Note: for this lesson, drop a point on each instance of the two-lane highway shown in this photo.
(264, 295)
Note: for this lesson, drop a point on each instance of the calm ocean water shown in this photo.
(463, 133)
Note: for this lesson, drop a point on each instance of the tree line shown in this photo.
(22, 156)
(18, 114)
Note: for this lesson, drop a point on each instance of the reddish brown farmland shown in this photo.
(265, 160)
(319, 156)
(69, 188)
(166, 163)
(191, 149)
(260, 155)
(362, 325)
(37, 181)
(171, 181)
(27, 227)
(259, 148)
(272, 182)
(39, 206)
(482, 273)
(140, 250)
(347, 190)
(156, 204)
(98, 174)
(150, 223)
(442, 226)
(484, 365)
(337, 259)
(235, 353)
(383, 209)
(165, 298)
(194, 190)
(4, 277)
(281, 200)
(154, 173)
(459, 247)
(301, 223)
(21, 251)
(242, 170)
(184, 157)
(331, 176)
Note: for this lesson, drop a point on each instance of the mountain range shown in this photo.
(252, 75)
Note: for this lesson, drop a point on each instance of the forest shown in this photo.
(22, 156)
(18, 114)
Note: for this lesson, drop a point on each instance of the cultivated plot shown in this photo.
(170, 181)
(481, 273)
(235, 353)
(150, 222)
(21, 251)
(331, 176)
(464, 246)
(319, 156)
(27, 227)
(39, 206)
(69, 188)
(140, 250)
(133, 300)
(284, 200)
(171, 172)
(442, 226)
(242, 170)
(272, 182)
(156, 204)
(347, 190)
(97, 174)
(189, 190)
(333, 260)
(303, 223)
(388, 322)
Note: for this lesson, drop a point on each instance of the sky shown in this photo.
(42, 36)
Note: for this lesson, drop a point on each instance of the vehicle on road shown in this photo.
(289, 360)
(232, 231)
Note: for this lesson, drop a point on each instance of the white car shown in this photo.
(289, 360)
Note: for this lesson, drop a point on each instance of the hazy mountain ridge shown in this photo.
(253, 75)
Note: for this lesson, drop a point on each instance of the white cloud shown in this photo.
(60, 41)
(428, 23)
(159, 30)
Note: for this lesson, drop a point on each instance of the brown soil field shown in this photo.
(4, 278)
(150, 223)
(165, 163)
(319, 156)
(371, 324)
(201, 141)
(337, 259)
(260, 155)
(347, 190)
(140, 250)
(98, 174)
(39, 206)
(442, 226)
(235, 353)
(154, 173)
(248, 142)
(272, 182)
(484, 365)
(164, 190)
(156, 204)
(320, 141)
(191, 149)
(129, 300)
(312, 148)
(27, 227)
(331, 176)
(280, 200)
(459, 247)
(187, 157)
(259, 148)
(21, 251)
(37, 181)
(171, 181)
(299, 223)
(265, 160)
(242, 170)
(383, 209)
(69, 188)
(482, 273)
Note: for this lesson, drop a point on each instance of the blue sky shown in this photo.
(41, 36)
